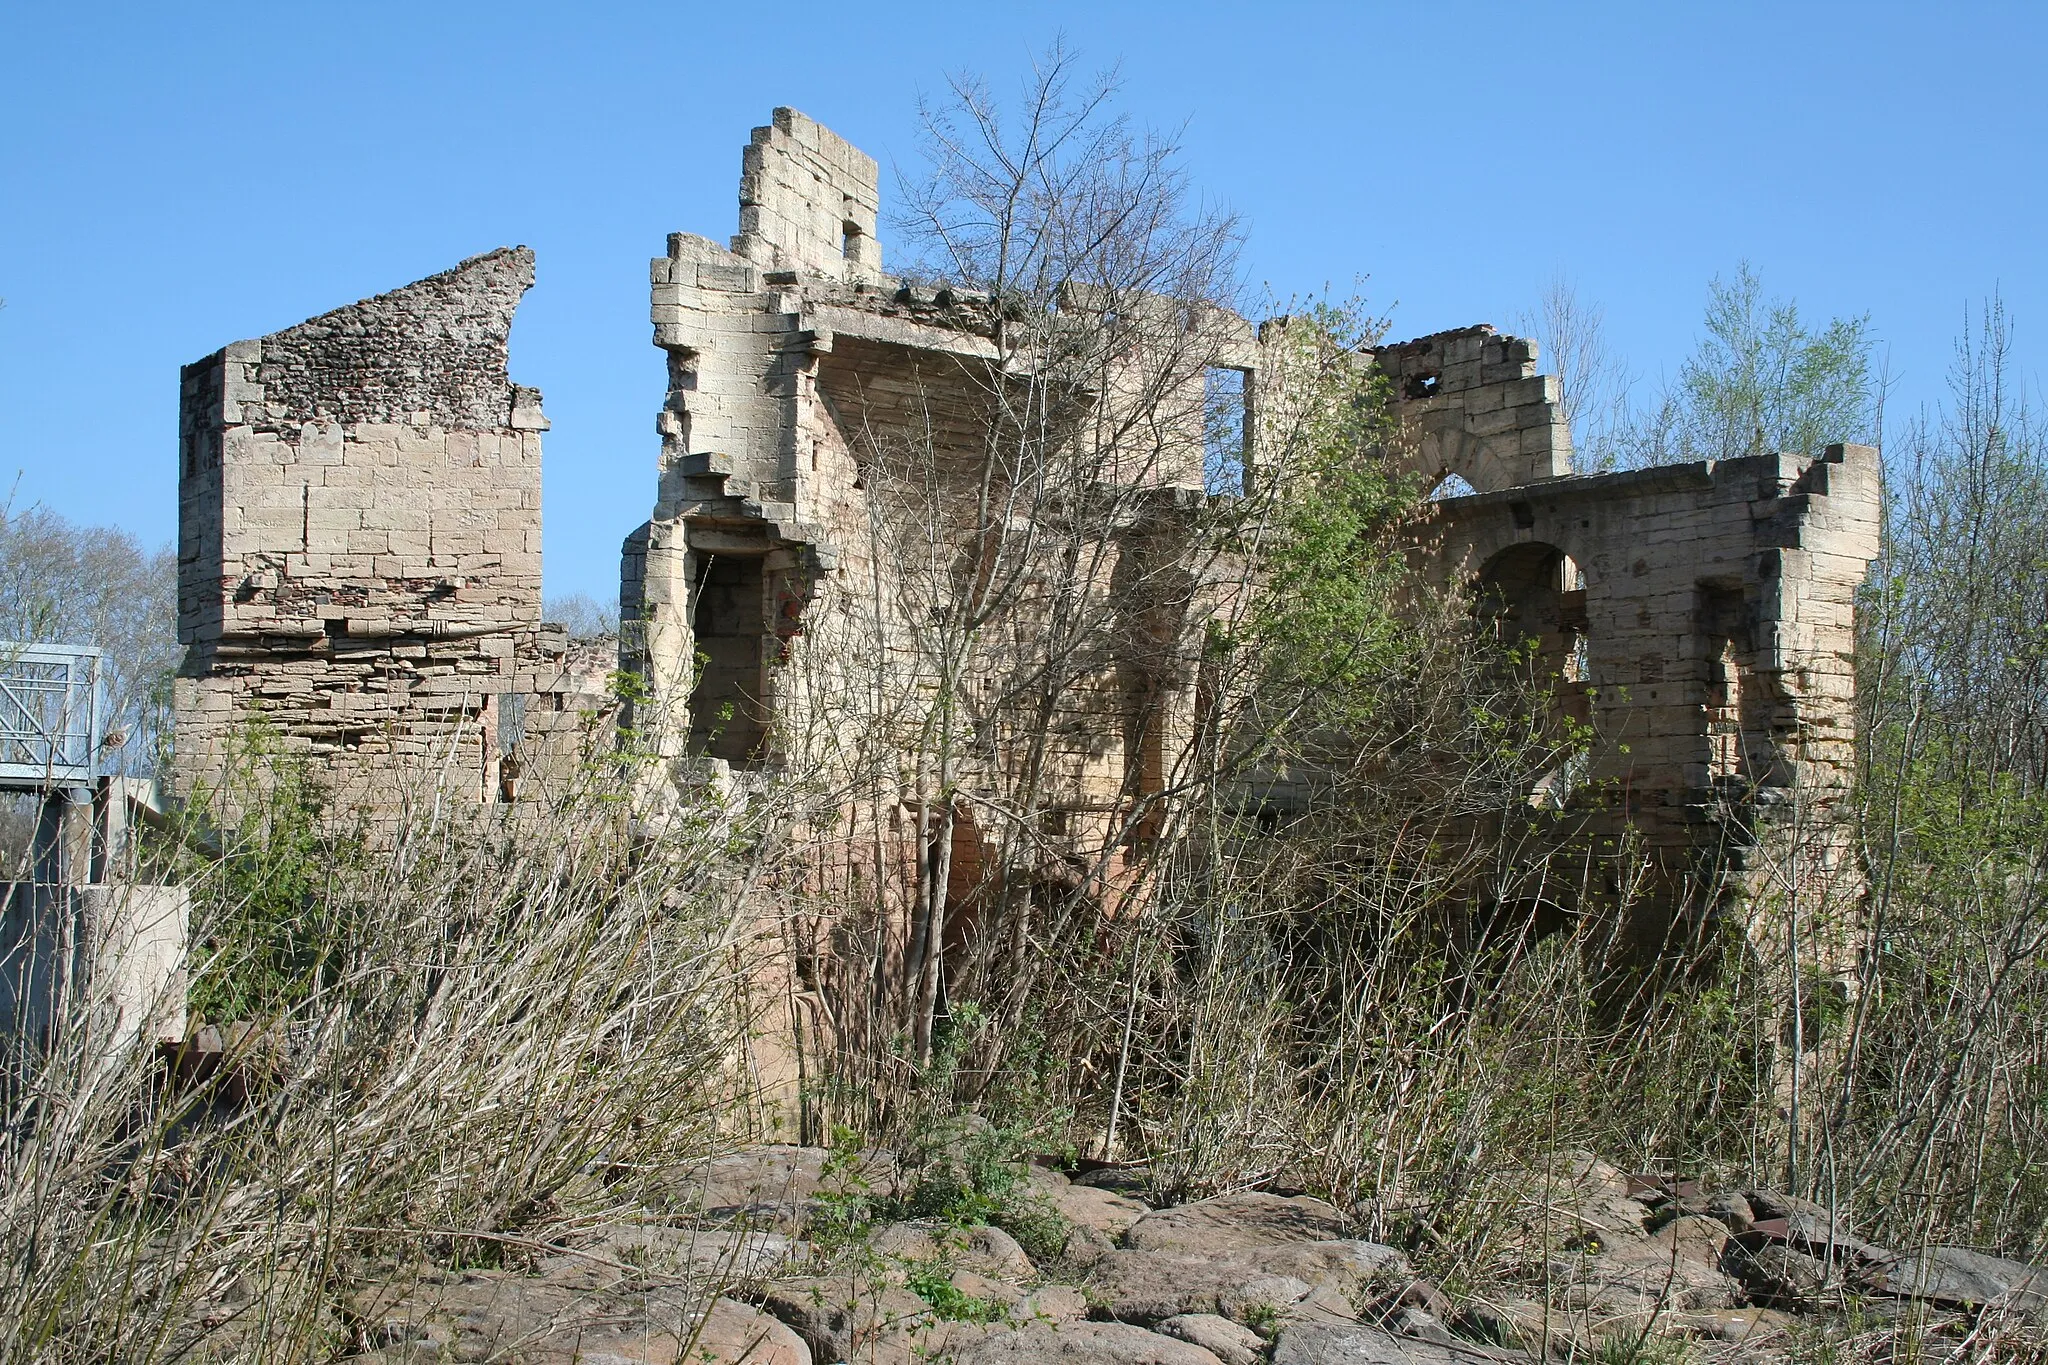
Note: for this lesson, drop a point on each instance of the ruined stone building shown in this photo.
(360, 555)
(774, 596)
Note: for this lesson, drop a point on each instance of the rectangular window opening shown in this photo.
(728, 707)
(1226, 429)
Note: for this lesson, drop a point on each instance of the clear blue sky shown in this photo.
(176, 177)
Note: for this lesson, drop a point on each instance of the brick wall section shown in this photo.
(359, 542)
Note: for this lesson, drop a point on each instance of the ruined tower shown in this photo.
(359, 539)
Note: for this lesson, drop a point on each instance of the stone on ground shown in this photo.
(1086, 1343)
(989, 1250)
(1052, 1303)
(1243, 1283)
(1103, 1211)
(1229, 1342)
(1317, 1343)
(1958, 1278)
(840, 1317)
(778, 1185)
(1248, 1219)
(736, 1334)
(714, 1257)
(523, 1320)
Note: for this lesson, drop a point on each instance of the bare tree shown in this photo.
(583, 616)
(1593, 382)
(97, 585)
(1084, 661)
(1014, 672)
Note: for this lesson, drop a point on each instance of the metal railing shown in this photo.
(51, 716)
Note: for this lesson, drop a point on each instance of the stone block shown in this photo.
(736, 278)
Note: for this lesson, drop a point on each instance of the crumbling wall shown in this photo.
(359, 538)
(808, 201)
(1687, 614)
(824, 434)
(803, 386)
(1472, 405)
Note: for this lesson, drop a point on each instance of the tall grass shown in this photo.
(494, 1029)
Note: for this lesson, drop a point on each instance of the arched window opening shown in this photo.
(1533, 597)
(1452, 486)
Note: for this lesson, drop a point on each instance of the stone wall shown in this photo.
(766, 584)
(360, 539)
(1475, 407)
(1701, 618)
(360, 553)
(824, 436)
(808, 201)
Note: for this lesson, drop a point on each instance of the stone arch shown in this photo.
(1451, 484)
(1522, 922)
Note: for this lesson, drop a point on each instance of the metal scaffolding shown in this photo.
(51, 717)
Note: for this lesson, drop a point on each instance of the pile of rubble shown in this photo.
(781, 1244)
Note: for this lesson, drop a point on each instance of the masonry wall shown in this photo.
(360, 539)
(823, 436)
(772, 577)
(808, 201)
(784, 600)
(1702, 618)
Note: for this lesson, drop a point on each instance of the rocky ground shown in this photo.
(801, 1259)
